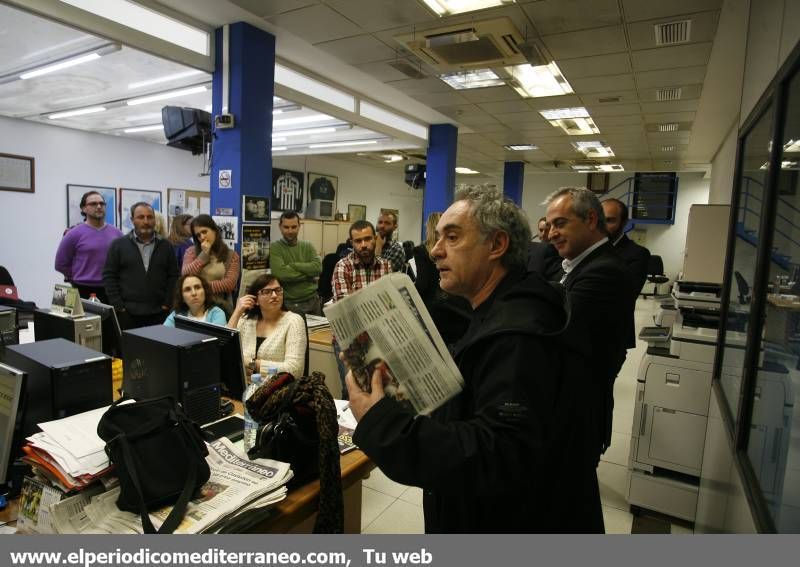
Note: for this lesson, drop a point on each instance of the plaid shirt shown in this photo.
(393, 251)
(350, 274)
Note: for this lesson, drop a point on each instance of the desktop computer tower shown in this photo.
(63, 379)
(85, 330)
(8, 326)
(164, 361)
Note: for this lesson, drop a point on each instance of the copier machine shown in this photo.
(672, 397)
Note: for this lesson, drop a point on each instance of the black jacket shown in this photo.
(636, 258)
(500, 456)
(543, 259)
(129, 286)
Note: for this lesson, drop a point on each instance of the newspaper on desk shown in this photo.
(387, 321)
(236, 485)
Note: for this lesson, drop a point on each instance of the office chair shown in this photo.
(743, 288)
(655, 274)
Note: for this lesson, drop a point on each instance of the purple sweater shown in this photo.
(82, 253)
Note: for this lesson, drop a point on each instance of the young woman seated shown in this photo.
(193, 299)
(271, 336)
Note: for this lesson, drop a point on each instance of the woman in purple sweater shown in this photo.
(82, 252)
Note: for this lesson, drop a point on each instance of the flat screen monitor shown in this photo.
(12, 387)
(112, 334)
(231, 366)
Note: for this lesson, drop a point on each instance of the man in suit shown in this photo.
(636, 257)
(600, 298)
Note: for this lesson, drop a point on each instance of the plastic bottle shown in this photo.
(93, 298)
(250, 424)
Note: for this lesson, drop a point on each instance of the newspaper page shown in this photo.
(387, 321)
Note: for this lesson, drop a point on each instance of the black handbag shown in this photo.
(159, 455)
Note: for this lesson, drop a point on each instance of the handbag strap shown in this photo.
(179, 509)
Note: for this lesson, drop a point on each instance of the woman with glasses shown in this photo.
(271, 336)
(83, 250)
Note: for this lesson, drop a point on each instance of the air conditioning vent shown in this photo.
(489, 43)
(609, 99)
(671, 127)
(670, 93)
(408, 69)
(672, 33)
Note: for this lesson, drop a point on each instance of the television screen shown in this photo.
(186, 128)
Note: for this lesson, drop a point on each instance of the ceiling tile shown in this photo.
(421, 86)
(604, 84)
(441, 99)
(646, 10)
(603, 122)
(558, 16)
(375, 15)
(641, 35)
(505, 107)
(671, 57)
(585, 43)
(263, 9)
(484, 128)
(670, 117)
(671, 106)
(490, 94)
(316, 24)
(613, 64)
(384, 72)
(670, 78)
(614, 110)
(547, 102)
(359, 49)
(612, 97)
(519, 118)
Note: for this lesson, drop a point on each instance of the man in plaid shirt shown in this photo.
(387, 248)
(356, 270)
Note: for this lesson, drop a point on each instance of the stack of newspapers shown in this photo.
(388, 322)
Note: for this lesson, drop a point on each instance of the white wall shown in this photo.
(723, 167)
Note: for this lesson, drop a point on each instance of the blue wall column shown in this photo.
(246, 149)
(513, 174)
(440, 180)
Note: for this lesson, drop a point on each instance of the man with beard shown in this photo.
(296, 265)
(635, 257)
(387, 248)
(140, 272)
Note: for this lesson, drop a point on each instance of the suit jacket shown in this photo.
(601, 326)
(543, 259)
(636, 257)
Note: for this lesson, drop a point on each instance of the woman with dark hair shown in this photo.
(271, 336)
(193, 299)
(211, 258)
(180, 236)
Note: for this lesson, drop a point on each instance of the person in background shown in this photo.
(296, 264)
(544, 230)
(193, 299)
(542, 256)
(180, 236)
(387, 248)
(636, 257)
(82, 252)
(271, 335)
(211, 258)
(140, 272)
(161, 225)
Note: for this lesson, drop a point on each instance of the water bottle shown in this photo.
(93, 298)
(250, 424)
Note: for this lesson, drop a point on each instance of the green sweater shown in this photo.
(296, 267)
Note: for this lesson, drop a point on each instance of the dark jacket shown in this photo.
(129, 286)
(500, 456)
(601, 327)
(636, 258)
(543, 259)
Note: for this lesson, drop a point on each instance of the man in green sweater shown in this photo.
(296, 265)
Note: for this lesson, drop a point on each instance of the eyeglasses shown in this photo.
(276, 291)
(97, 204)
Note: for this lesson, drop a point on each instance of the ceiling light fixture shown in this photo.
(559, 113)
(391, 158)
(278, 148)
(79, 112)
(388, 118)
(521, 147)
(147, 21)
(312, 87)
(150, 128)
(609, 167)
(466, 171)
(340, 144)
(450, 7)
(583, 167)
(165, 79)
(166, 95)
(150, 116)
(304, 132)
(301, 120)
(472, 79)
(792, 146)
(594, 149)
(538, 81)
(58, 66)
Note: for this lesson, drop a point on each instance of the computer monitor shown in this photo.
(112, 334)
(231, 366)
(12, 387)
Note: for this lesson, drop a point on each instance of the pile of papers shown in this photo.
(316, 322)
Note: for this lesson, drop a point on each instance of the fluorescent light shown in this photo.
(301, 119)
(314, 88)
(474, 79)
(150, 128)
(594, 149)
(79, 112)
(559, 113)
(391, 158)
(303, 132)
(278, 148)
(574, 121)
(147, 21)
(166, 95)
(583, 167)
(340, 144)
(466, 171)
(541, 80)
(449, 7)
(609, 167)
(379, 114)
(792, 146)
(278, 139)
(521, 147)
(165, 79)
(71, 62)
(148, 116)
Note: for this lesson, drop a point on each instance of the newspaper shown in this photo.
(387, 321)
(236, 485)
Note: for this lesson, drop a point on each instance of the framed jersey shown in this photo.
(323, 186)
(287, 190)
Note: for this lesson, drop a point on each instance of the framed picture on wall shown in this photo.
(287, 190)
(76, 192)
(17, 173)
(323, 186)
(129, 197)
(356, 212)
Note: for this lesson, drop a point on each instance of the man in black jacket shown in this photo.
(140, 272)
(635, 256)
(601, 302)
(501, 455)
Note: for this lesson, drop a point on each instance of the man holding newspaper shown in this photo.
(507, 453)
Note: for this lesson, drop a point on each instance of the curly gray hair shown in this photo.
(494, 212)
(583, 201)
